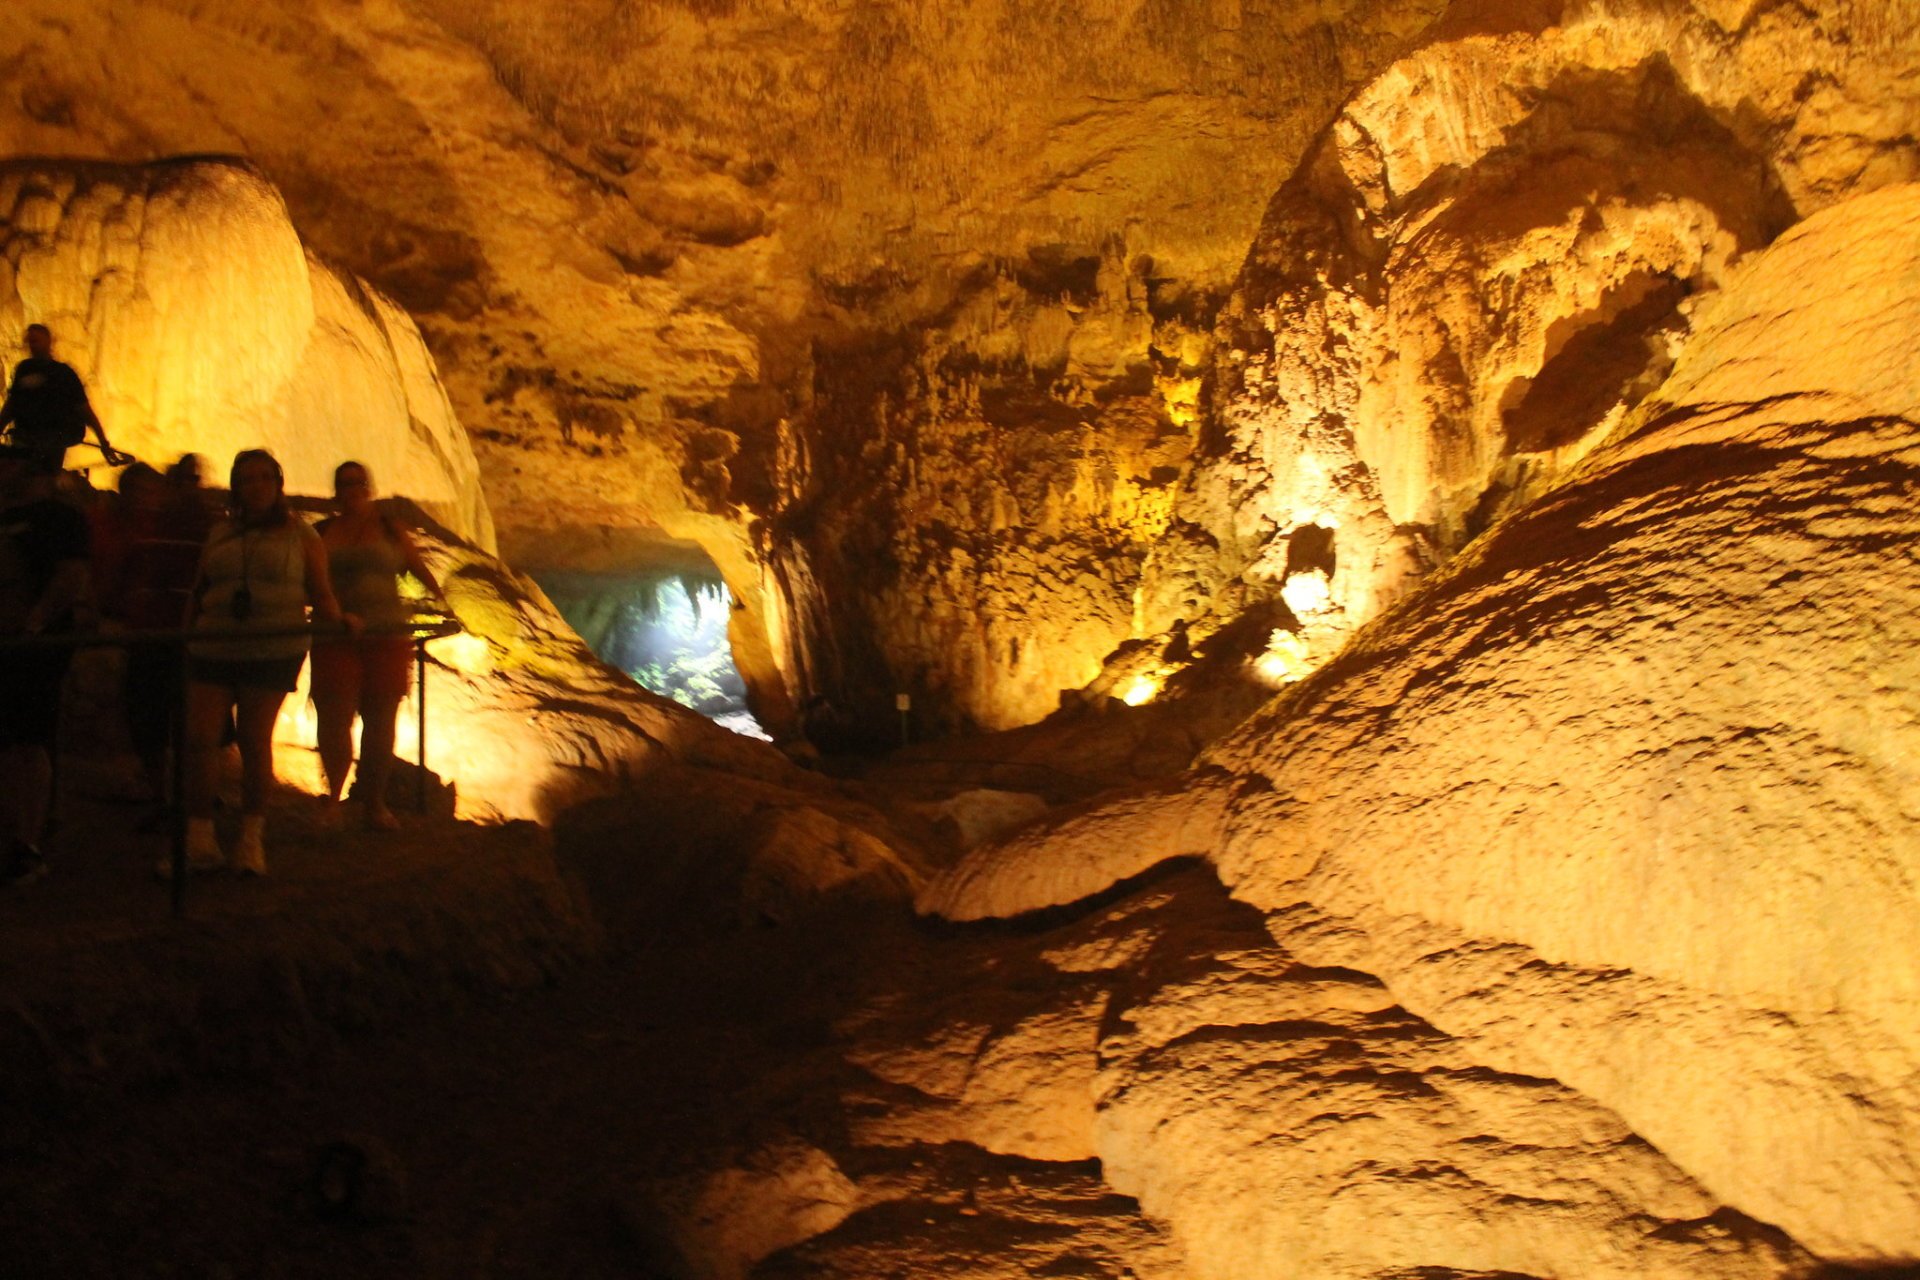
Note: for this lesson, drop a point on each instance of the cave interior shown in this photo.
(1150, 641)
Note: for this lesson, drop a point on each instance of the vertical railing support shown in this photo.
(420, 711)
(177, 784)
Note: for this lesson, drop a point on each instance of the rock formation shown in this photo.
(1622, 799)
(1486, 261)
(525, 721)
(708, 271)
(907, 314)
(1551, 435)
(183, 295)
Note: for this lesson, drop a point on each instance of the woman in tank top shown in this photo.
(364, 675)
(262, 570)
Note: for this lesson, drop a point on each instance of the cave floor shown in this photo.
(511, 1110)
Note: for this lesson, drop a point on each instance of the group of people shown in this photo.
(159, 559)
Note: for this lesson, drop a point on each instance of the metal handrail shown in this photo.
(421, 630)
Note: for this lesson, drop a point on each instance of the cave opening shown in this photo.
(666, 628)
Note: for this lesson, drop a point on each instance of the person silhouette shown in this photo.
(44, 547)
(47, 404)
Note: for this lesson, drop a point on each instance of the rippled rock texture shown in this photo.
(1623, 800)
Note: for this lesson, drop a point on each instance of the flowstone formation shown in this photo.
(1622, 800)
(184, 296)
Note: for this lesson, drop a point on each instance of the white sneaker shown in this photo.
(250, 854)
(203, 850)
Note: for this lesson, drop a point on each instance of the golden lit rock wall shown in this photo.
(1625, 797)
(1273, 1118)
(524, 722)
(1487, 260)
(183, 296)
(623, 228)
(906, 312)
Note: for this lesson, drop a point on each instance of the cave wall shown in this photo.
(1621, 799)
(640, 238)
(185, 298)
(974, 344)
(1490, 257)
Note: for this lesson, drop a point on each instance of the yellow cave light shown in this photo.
(1307, 592)
(1284, 661)
(1142, 689)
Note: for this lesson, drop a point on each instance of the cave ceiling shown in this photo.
(619, 222)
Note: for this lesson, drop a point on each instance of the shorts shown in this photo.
(376, 667)
(279, 674)
(30, 683)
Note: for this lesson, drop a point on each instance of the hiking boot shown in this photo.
(250, 853)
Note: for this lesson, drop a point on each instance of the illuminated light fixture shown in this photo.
(1141, 690)
(1307, 592)
(1284, 661)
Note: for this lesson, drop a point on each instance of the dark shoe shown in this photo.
(25, 864)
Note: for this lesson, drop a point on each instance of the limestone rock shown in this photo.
(1623, 799)
(183, 295)
(907, 314)
(1293, 1121)
(1002, 1074)
(1269, 1117)
(1077, 853)
(982, 814)
(959, 1215)
(775, 1194)
(673, 259)
(1488, 259)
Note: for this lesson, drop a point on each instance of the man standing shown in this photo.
(47, 403)
(43, 580)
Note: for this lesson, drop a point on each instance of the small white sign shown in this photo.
(903, 702)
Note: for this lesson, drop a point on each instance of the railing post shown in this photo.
(420, 711)
(50, 824)
(177, 783)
